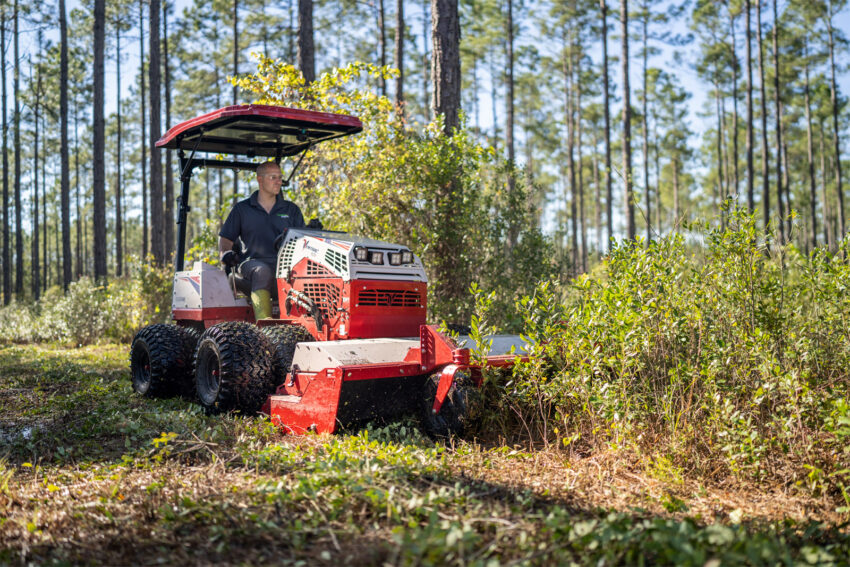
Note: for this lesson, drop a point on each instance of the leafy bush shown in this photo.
(735, 357)
(90, 312)
(444, 196)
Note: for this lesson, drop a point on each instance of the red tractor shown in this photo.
(348, 340)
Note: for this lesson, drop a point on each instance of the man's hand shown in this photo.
(315, 223)
(230, 260)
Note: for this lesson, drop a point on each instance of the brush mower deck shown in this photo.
(348, 340)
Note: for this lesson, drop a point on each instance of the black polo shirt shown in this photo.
(257, 229)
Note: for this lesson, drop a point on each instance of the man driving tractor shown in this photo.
(256, 222)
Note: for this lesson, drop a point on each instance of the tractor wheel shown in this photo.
(233, 368)
(160, 360)
(283, 339)
(454, 414)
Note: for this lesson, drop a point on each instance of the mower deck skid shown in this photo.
(335, 383)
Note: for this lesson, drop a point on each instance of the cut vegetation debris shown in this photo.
(104, 477)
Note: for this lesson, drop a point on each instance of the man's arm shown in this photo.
(224, 245)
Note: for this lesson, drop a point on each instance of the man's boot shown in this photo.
(261, 299)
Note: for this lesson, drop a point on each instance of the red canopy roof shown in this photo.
(258, 130)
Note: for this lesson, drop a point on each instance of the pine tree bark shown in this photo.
(833, 96)
(144, 123)
(733, 48)
(119, 215)
(778, 108)
(382, 45)
(513, 229)
(445, 62)
(19, 232)
(169, 177)
(750, 142)
(827, 212)
(235, 89)
(426, 61)
(306, 55)
(609, 198)
(451, 271)
(765, 166)
(810, 159)
(721, 188)
(65, 177)
(627, 123)
(98, 145)
(645, 125)
(35, 283)
(569, 115)
(79, 220)
(580, 167)
(157, 228)
(399, 55)
(7, 252)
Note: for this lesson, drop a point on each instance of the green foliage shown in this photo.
(90, 312)
(734, 356)
(438, 194)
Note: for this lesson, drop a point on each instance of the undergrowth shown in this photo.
(731, 362)
(90, 311)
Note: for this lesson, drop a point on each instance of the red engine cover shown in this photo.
(358, 309)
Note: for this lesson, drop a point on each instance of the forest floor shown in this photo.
(91, 473)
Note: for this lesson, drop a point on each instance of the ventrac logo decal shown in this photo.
(195, 281)
(313, 250)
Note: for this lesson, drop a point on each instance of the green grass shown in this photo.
(104, 477)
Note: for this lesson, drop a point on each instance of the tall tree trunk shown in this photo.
(765, 166)
(581, 217)
(306, 61)
(144, 122)
(833, 97)
(157, 233)
(645, 125)
(732, 47)
(676, 209)
(119, 219)
(451, 273)
(609, 198)
(426, 61)
(627, 123)
(750, 142)
(235, 89)
(658, 224)
(597, 198)
(98, 143)
(79, 243)
(19, 232)
(292, 32)
(445, 62)
(810, 159)
(399, 55)
(47, 263)
(169, 176)
(513, 229)
(569, 117)
(720, 171)
(36, 267)
(7, 252)
(827, 213)
(778, 108)
(382, 46)
(65, 182)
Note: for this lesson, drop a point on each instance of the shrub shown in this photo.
(735, 354)
(90, 312)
